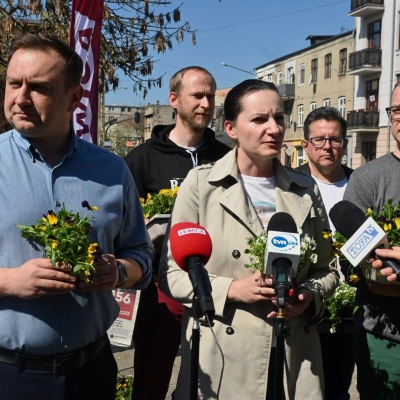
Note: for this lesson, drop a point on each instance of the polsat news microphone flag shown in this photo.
(85, 36)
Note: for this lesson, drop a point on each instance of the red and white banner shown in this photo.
(85, 36)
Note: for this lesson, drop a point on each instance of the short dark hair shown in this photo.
(327, 113)
(74, 64)
(175, 83)
(233, 105)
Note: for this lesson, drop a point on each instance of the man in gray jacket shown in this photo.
(377, 317)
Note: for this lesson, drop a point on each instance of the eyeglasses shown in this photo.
(320, 142)
(393, 113)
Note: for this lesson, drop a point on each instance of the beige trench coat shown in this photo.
(213, 197)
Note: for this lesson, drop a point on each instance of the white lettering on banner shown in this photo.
(84, 29)
(189, 231)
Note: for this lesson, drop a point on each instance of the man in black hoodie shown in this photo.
(162, 162)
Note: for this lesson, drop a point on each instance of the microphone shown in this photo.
(363, 235)
(282, 241)
(191, 248)
(282, 254)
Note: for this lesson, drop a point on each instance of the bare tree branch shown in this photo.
(133, 32)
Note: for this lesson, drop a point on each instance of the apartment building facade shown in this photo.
(310, 78)
(375, 64)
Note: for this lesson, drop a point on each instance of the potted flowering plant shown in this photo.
(160, 203)
(157, 209)
(64, 236)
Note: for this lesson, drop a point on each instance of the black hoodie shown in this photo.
(159, 160)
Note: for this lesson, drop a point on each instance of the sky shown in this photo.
(241, 33)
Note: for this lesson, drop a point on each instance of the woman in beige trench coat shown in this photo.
(222, 198)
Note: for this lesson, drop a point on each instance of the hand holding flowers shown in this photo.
(65, 239)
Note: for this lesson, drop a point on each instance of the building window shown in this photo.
(314, 70)
(313, 106)
(343, 61)
(372, 93)
(342, 106)
(368, 151)
(300, 156)
(328, 65)
(302, 73)
(374, 35)
(122, 109)
(287, 111)
(288, 160)
(280, 78)
(300, 115)
(111, 109)
(327, 103)
(398, 30)
(269, 78)
(129, 109)
(173, 114)
(290, 75)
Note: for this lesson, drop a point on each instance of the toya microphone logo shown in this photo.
(285, 242)
(362, 241)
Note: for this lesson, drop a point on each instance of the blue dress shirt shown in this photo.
(29, 188)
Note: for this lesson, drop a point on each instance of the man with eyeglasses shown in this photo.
(377, 317)
(325, 144)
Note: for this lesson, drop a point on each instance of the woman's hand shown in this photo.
(296, 306)
(249, 290)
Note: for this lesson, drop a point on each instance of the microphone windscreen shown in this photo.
(346, 218)
(282, 222)
(188, 239)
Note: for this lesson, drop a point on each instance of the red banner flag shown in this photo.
(85, 36)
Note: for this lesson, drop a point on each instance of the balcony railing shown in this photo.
(286, 90)
(365, 58)
(364, 8)
(363, 120)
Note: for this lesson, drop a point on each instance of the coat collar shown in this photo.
(226, 169)
(289, 187)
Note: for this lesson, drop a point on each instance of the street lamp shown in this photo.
(239, 69)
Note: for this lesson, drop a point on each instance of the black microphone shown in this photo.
(191, 248)
(363, 235)
(282, 254)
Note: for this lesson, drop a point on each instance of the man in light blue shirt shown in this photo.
(53, 341)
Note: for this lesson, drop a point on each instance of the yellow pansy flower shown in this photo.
(52, 218)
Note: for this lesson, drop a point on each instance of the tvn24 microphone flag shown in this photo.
(85, 36)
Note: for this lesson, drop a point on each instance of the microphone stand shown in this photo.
(282, 281)
(194, 361)
(202, 304)
(281, 332)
